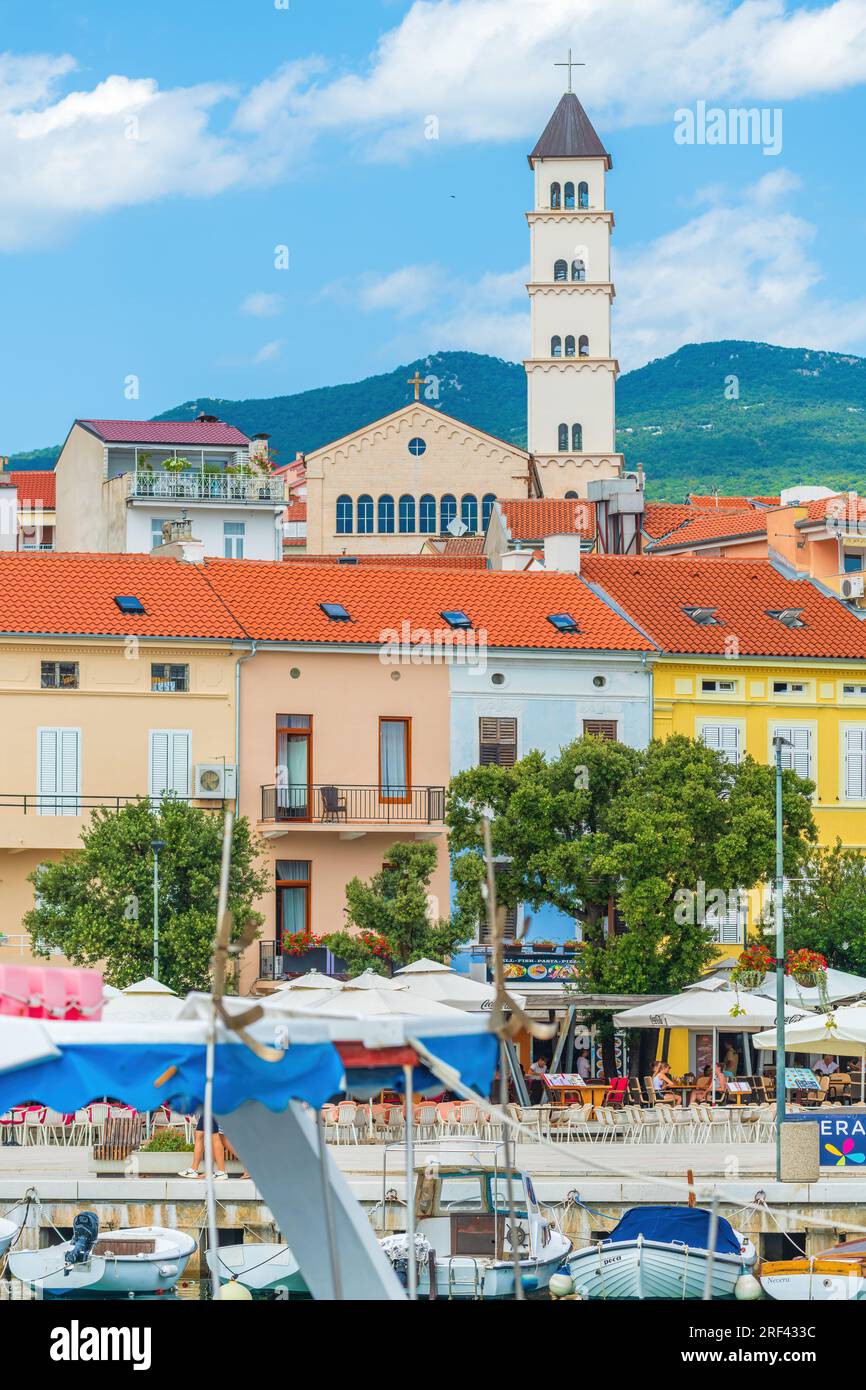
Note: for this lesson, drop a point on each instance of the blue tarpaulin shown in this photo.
(686, 1225)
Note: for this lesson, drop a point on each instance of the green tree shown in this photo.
(96, 904)
(603, 826)
(825, 908)
(391, 914)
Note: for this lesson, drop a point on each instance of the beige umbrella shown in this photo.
(367, 1000)
(432, 980)
(145, 1001)
(313, 979)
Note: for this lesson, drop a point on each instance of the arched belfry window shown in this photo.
(556, 347)
(386, 514)
(569, 346)
(569, 195)
(427, 514)
(583, 345)
(407, 514)
(365, 515)
(583, 195)
(563, 439)
(344, 515)
(560, 270)
(555, 196)
(578, 270)
(577, 438)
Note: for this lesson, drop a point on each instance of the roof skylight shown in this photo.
(128, 603)
(455, 617)
(704, 617)
(336, 612)
(563, 622)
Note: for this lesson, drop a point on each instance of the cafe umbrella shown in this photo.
(841, 1033)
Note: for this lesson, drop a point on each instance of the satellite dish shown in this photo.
(457, 527)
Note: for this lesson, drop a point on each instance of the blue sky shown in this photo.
(153, 155)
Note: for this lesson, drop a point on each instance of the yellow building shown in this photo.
(117, 680)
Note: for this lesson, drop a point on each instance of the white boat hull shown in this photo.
(462, 1276)
(45, 1272)
(646, 1269)
(259, 1267)
(8, 1232)
(815, 1287)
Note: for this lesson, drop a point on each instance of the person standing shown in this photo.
(219, 1153)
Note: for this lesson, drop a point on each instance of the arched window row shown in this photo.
(576, 436)
(560, 271)
(358, 517)
(569, 348)
(564, 196)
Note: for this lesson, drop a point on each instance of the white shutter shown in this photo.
(855, 764)
(799, 755)
(59, 771)
(169, 763)
(724, 738)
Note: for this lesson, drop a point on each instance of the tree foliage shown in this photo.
(392, 914)
(825, 907)
(96, 904)
(602, 823)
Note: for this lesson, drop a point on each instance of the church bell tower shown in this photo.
(571, 374)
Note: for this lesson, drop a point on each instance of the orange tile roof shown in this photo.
(654, 592)
(71, 593)
(837, 506)
(463, 545)
(34, 488)
(730, 503)
(280, 602)
(296, 510)
(710, 527)
(660, 518)
(419, 561)
(533, 518)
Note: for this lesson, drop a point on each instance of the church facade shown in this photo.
(394, 485)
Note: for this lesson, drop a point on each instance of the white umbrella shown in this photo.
(313, 979)
(840, 985)
(366, 1001)
(710, 1009)
(845, 1038)
(24, 1042)
(435, 981)
(369, 980)
(144, 1001)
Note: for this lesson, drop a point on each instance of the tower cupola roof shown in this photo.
(569, 134)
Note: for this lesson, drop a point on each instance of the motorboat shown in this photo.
(133, 1260)
(835, 1275)
(260, 1266)
(8, 1232)
(464, 1241)
(662, 1252)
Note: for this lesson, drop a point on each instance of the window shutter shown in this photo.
(59, 771)
(855, 764)
(799, 756)
(159, 756)
(169, 763)
(180, 758)
(497, 742)
(724, 738)
(601, 728)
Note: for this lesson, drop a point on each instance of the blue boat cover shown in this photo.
(687, 1225)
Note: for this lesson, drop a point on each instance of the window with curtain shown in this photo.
(365, 515)
(487, 504)
(469, 512)
(294, 755)
(293, 897)
(427, 514)
(407, 514)
(447, 511)
(394, 760)
(344, 515)
(386, 514)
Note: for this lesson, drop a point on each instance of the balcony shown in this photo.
(352, 809)
(273, 965)
(43, 821)
(205, 487)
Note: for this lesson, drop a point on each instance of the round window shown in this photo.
(294, 673)
(497, 678)
(599, 680)
(417, 446)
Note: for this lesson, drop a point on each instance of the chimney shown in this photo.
(513, 560)
(259, 452)
(178, 543)
(562, 553)
(204, 419)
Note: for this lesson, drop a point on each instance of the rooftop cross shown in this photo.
(417, 381)
(569, 65)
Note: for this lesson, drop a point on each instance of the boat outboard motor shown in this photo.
(85, 1230)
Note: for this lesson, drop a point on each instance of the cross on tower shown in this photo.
(417, 381)
(569, 65)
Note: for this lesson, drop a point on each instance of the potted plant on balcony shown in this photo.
(572, 944)
(542, 946)
(176, 464)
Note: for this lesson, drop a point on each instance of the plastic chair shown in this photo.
(34, 1122)
(345, 1121)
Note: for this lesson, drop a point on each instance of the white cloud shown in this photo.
(260, 305)
(269, 351)
(742, 270)
(406, 291)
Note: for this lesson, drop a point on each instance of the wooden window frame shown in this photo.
(294, 883)
(498, 742)
(297, 733)
(406, 721)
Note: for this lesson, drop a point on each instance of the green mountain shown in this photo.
(743, 417)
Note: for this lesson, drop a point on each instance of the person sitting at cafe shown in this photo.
(828, 1066)
(663, 1084)
(702, 1085)
(722, 1079)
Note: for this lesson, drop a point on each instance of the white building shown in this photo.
(119, 481)
(571, 374)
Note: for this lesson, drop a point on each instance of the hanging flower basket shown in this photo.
(751, 979)
(808, 968)
(751, 968)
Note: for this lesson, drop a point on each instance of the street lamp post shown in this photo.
(778, 744)
(156, 846)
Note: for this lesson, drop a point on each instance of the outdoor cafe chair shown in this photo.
(81, 1129)
(530, 1116)
(426, 1122)
(34, 1121)
(333, 804)
(464, 1118)
(396, 1122)
(55, 1127)
(345, 1122)
(12, 1127)
(646, 1128)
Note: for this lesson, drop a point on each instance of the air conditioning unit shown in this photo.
(214, 782)
(852, 586)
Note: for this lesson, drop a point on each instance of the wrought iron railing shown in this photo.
(207, 487)
(270, 961)
(327, 804)
(61, 804)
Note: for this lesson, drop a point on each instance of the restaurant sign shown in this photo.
(534, 968)
(842, 1137)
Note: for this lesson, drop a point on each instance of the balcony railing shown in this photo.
(270, 961)
(327, 804)
(60, 804)
(206, 487)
